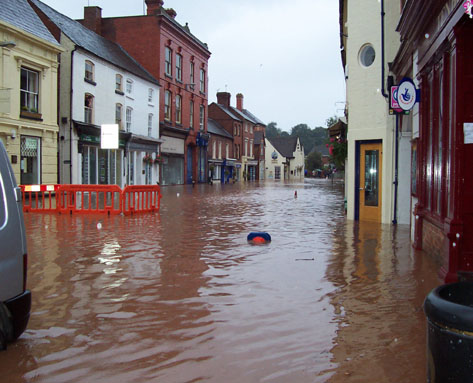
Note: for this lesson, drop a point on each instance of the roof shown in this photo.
(284, 145)
(228, 111)
(20, 14)
(253, 117)
(213, 127)
(94, 43)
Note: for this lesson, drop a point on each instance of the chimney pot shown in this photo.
(153, 6)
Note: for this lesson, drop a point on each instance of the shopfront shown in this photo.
(172, 153)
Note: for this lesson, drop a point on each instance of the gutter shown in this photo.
(383, 90)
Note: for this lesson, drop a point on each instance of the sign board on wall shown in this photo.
(468, 132)
(172, 145)
(109, 136)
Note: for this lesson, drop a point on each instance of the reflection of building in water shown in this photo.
(380, 287)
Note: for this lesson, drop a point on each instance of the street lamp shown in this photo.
(7, 44)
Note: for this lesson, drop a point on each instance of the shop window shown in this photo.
(30, 160)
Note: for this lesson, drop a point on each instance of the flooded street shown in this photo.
(180, 296)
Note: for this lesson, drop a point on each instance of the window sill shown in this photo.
(90, 81)
(179, 81)
(168, 76)
(119, 92)
(31, 115)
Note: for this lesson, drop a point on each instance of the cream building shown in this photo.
(28, 93)
(369, 42)
(284, 159)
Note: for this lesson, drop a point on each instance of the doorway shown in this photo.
(370, 185)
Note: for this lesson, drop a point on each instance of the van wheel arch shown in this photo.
(6, 327)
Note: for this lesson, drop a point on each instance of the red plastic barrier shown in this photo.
(89, 199)
(141, 199)
(39, 198)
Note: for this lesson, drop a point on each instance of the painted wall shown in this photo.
(40, 56)
(368, 117)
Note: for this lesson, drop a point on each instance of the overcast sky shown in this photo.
(284, 56)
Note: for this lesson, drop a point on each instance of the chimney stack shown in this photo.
(223, 98)
(93, 19)
(171, 12)
(239, 97)
(153, 7)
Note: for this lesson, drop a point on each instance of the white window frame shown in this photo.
(168, 61)
(167, 105)
(178, 67)
(150, 124)
(119, 115)
(30, 92)
(150, 96)
(89, 71)
(129, 112)
(178, 109)
(214, 150)
(119, 82)
(129, 86)
(192, 68)
(202, 81)
(89, 109)
(201, 119)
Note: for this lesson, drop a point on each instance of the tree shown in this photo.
(272, 130)
(331, 120)
(313, 161)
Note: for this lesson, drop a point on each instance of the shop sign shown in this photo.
(172, 145)
(109, 136)
(403, 97)
(468, 5)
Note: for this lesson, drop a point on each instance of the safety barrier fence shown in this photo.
(87, 199)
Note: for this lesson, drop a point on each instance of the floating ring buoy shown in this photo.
(259, 237)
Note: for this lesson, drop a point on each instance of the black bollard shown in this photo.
(449, 311)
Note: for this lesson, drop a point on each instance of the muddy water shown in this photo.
(180, 296)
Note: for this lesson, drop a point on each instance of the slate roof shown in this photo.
(213, 127)
(253, 117)
(228, 111)
(94, 43)
(284, 145)
(20, 14)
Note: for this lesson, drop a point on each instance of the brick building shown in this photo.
(179, 61)
(242, 125)
(220, 153)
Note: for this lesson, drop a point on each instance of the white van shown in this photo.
(15, 300)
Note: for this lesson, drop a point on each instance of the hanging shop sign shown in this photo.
(403, 97)
(468, 5)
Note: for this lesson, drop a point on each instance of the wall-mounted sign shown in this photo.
(274, 155)
(468, 5)
(468, 132)
(403, 97)
(109, 136)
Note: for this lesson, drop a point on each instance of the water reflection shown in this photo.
(381, 284)
(180, 296)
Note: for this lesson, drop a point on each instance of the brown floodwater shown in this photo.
(180, 296)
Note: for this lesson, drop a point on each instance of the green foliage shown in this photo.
(331, 121)
(338, 151)
(313, 161)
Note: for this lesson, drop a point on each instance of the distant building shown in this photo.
(284, 158)
(172, 54)
(100, 83)
(28, 93)
(243, 125)
(220, 153)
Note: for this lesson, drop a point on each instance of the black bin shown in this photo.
(449, 311)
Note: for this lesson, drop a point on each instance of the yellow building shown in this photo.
(28, 93)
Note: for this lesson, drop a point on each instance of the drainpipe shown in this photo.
(383, 90)
(70, 114)
(396, 170)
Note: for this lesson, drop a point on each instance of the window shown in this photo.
(214, 149)
(191, 117)
(30, 159)
(201, 117)
(89, 71)
(251, 129)
(192, 76)
(246, 127)
(128, 119)
(29, 90)
(202, 81)
(246, 147)
(129, 86)
(179, 67)
(220, 150)
(119, 83)
(234, 130)
(367, 55)
(178, 109)
(168, 62)
(118, 115)
(251, 148)
(227, 150)
(88, 109)
(150, 95)
(167, 105)
(150, 124)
